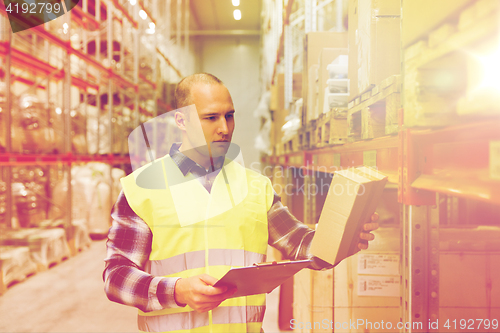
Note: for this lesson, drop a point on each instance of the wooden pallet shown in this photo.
(78, 236)
(15, 265)
(446, 53)
(375, 112)
(47, 246)
(308, 135)
(292, 145)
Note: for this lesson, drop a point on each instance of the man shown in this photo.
(168, 245)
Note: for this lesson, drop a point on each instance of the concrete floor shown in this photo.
(69, 297)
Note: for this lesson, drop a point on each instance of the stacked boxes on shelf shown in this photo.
(443, 84)
(473, 254)
(374, 43)
(374, 60)
(278, 111)
(315, 44)
(337, 91)
(366, 285)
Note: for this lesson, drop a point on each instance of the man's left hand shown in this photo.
(365, 236)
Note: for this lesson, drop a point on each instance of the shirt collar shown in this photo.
(186, 165)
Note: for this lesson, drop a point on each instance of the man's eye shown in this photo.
(211, 118)
(229, 116)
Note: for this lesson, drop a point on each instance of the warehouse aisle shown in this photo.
(69, 297)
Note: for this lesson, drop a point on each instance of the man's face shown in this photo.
(216, 115)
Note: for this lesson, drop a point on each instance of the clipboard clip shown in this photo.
(270, 263)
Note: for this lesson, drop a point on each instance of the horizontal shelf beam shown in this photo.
(14, 159)
(488, 191)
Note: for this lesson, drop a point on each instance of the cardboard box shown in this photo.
(314, 43)
(374, 43)
(278, 91)
(338, 131)
(312, 94)
(419, 21)
(392, 106)
(327, 55)
(278, 120)
(380, 264)
(372, 122)
(351, 200)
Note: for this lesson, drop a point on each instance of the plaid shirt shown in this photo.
(129, 246)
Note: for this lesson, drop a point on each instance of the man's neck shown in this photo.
(196, 156)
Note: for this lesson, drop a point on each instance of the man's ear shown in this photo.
(180, 120)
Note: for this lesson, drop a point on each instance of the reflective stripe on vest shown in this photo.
(196, 259)
(193, 319)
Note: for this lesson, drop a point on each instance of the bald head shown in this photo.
(183, 95)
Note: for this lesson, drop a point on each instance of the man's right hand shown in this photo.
(198, 293)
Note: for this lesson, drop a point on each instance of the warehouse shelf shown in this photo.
(441, 154)
(13, 159)
(71, 82)
(381, 152)
(453, 160)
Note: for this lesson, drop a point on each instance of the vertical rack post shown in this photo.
(339, 9)
(135, 55)
(99, 74)
(310, 16)
(110, 94)
(8, 121)
(154, 77)
(67, 118)
(308, 8)
(178, 27)
(186, 35)
(85, 66)
(288, 64)
(420, 271)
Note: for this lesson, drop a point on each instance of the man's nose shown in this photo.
(223, 129)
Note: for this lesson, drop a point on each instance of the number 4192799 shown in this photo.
(471, 324)
(34, 8)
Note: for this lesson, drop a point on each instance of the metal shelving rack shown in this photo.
(126, 56)
(423, 163)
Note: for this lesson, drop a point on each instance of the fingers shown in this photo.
(366, 236)
(370, 226)
(210, 280)
(363, 245)
(203, 303)
(199, 294)
(208, 288)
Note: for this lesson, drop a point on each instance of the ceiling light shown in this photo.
(236, 3)
(151, 26)
(133, 2)
(143, 14)
(237, 14)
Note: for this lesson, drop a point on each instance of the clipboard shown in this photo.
(260, 278)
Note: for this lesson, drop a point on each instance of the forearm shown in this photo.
(292, 237)
(128, 250)
(125, 283)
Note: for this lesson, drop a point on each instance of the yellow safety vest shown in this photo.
(196, 232)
